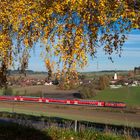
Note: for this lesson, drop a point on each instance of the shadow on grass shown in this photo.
(13, 131)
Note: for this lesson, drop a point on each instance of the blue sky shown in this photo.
(129, 59)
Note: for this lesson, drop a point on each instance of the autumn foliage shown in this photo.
(69, 30)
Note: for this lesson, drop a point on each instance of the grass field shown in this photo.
(129, 95)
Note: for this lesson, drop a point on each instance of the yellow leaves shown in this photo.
(58, 7)
(47, 61)
(65, 27)
(132, 14)
(50, 65)
(49, 12)
(73, 1)
(26, 42)
(5, 48)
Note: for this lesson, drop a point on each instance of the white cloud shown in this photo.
(133, 38)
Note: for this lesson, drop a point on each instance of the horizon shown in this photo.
(111, 70)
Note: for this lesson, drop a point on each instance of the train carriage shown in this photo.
(64, 101)
(61, 101)
(7, 98)
(115, 104)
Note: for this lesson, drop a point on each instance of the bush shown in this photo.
(8, 91)
(67, 134)
(103, 82)
(87, 91)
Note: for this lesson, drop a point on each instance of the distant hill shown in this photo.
(27, 72)
(43, 72)
(105, 71)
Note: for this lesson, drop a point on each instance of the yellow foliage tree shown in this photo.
(69, 29)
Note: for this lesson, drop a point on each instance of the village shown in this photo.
(116, 80)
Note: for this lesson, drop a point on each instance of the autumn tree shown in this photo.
(69, 30)
(103, 82)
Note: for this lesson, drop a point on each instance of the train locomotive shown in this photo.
(95, 103)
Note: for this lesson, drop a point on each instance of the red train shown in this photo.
(64, 101)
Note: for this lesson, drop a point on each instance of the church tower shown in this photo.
(115, 76)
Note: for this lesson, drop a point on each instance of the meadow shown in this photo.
(129, 95)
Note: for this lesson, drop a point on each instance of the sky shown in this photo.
(129, 59)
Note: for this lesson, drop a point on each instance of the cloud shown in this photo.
(133, 38)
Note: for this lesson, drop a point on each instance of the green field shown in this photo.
(129, 95)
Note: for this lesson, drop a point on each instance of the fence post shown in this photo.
(13, 107)
(75, 125)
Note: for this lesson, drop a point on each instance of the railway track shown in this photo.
(86, 113)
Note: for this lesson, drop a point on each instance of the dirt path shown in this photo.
(79, 113)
